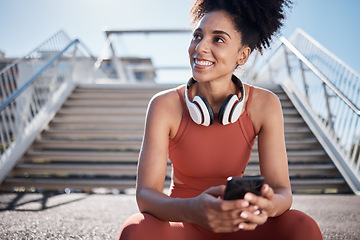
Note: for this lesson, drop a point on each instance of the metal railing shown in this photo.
(32, 89)
(327, 90)
(167, 59)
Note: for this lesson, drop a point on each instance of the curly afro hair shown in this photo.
(257, 20)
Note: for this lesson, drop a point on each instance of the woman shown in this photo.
(209, 137)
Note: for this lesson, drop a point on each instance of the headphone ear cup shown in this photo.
(223, 117)
(230, 110)
(194, 110)
(236, 111)
(200, 110)
(207, 111)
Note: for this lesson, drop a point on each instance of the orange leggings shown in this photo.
(292, 225)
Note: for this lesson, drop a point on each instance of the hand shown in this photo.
(212, 212)
(264, 206)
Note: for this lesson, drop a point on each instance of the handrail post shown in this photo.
(288, 64)
(271, 73)
(330, 115)
(306, 87)
(116, 62)
(73, 60)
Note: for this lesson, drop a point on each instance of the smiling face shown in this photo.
(216, 50)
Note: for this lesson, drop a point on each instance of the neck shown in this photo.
(215, 91)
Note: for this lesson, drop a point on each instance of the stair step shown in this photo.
(119, 120)
(286, 105)
(298, 185)
(63, 183)
(290, 112)
(293, 156)
(301, 170)
(88, 144)
(114, 156)
(298, 144)
(121, 169)
(42, 169)
(106, 103)
(297, 132)
(97, 126)
(123, 89)
(108, 95)
(93, 134)
(80, 111)
(294, 121)
(99, 123)
(81, 156)
(134, 144)
(336, 185)
(98, 119)
(309, 156)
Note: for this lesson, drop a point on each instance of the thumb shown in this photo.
(217, 191)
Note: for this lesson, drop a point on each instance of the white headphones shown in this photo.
(201, 112)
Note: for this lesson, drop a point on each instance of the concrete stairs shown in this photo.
(94, 141)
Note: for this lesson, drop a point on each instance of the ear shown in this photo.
(244, 54)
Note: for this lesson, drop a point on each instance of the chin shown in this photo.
(200, 77)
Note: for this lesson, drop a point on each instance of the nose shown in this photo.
(202, 46)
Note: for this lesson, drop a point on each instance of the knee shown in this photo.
(303, 225)
(139, 226)
(130, 226)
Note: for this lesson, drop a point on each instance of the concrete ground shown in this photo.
(99, 216)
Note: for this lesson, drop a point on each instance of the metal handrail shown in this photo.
(317, 72)
(146, 31)
(328, 106)
(33, 89)
(60, 33)
(15, 94)
(121, 70)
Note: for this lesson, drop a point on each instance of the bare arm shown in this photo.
(153, 161)
(269, 124)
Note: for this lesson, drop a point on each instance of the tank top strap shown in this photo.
(182, 100)
(184, 121)
(249, 98)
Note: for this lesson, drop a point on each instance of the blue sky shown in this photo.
(24, 24)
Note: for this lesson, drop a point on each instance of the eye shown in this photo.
(219, 40)
(196, 36)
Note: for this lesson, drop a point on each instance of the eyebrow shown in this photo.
(214, 32)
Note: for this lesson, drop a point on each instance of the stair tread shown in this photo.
(50, 183)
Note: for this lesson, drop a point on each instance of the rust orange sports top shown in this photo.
(203, 157)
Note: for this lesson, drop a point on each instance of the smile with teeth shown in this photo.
(203, 62)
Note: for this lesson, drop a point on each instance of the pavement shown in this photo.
(100, 216)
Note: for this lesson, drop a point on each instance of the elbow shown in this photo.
(140, 200)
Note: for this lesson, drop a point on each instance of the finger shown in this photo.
(262, 202)
(258, 201)
(221, 225)
(217, 191)
(267, 191)
(247, 226)
(257, 218)
(240, 204)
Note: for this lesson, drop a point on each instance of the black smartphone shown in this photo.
(237, 187)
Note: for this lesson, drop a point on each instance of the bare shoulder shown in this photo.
(165, 101)
(265, 107)
(165, 108)
(264, 96)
